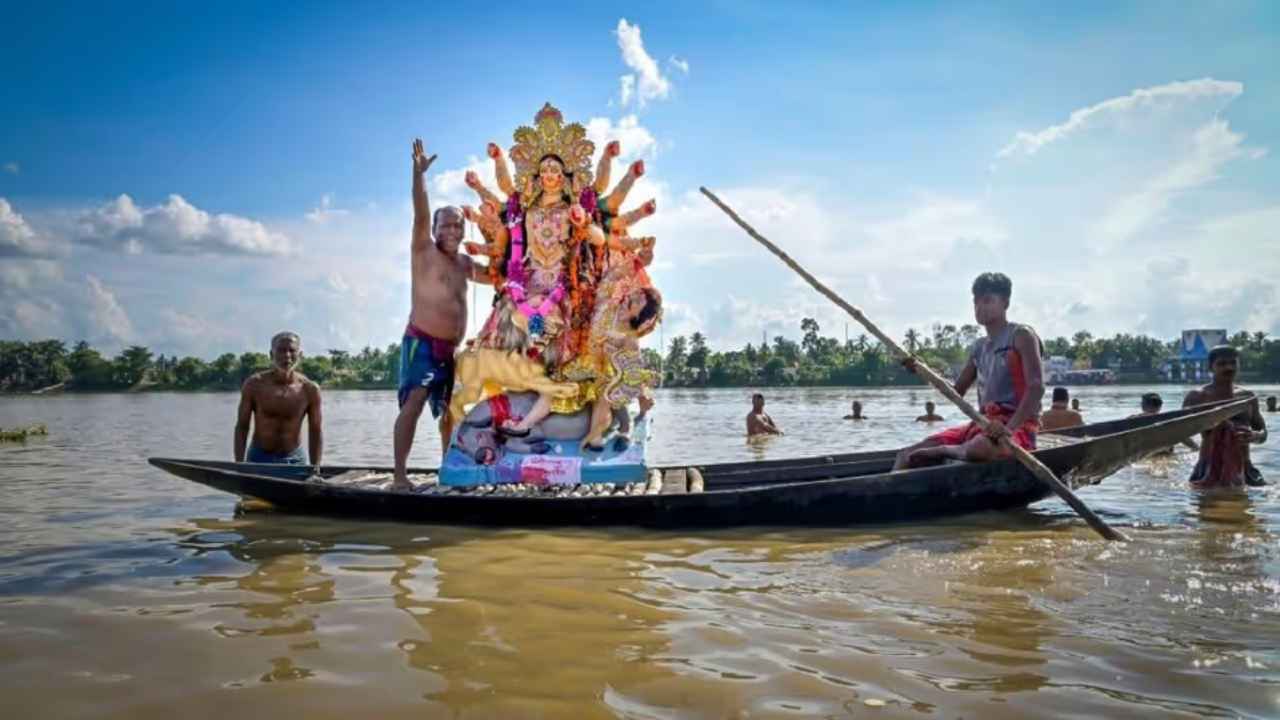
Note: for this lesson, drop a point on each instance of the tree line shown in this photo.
(815, 360)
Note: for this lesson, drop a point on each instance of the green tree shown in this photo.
(131, 366)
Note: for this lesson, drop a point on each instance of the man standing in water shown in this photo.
(759, 422)
(1058, 416)
(1224, 450)
(930, 413)
(274, 402)
(437, 317)
(1006, 366)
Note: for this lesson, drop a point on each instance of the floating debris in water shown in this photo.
(21, 434)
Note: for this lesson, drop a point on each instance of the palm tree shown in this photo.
(912, 340)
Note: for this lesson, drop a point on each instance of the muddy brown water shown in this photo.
(125, 592)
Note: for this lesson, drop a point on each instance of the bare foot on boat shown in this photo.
(926, 457)
(400, 484)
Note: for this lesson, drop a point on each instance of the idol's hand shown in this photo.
(473, 181)
(578, 216)
(637, 168)
(613, 149)
(493, 151)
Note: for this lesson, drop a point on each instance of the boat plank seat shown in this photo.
(675, 481)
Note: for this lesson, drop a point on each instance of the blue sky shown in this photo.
(195, 178)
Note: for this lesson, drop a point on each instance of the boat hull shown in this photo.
(835, 490)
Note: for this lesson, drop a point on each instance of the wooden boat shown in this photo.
(832, 490)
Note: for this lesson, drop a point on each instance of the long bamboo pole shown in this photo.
(1036, 467)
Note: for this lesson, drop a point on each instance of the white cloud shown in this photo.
(646, 82)
(106, 313)
(679, 63)
(626, 89)
(17, 238)
(325, 211)
(1029, 143)
(176, 227)
(12, 168)
(1212, 147)
(635, 140)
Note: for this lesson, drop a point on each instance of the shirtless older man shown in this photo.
(437, 317)
(274, 401)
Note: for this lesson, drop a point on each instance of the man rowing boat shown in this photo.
(1006, 366)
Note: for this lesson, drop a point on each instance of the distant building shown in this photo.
(1192, 361)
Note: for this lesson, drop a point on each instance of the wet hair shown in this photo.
(757, 395)
(651, 307)
(1222, 351)
(993, 283)
(1152, 399)
(929, 404)
(285, 334)
(1060, 394)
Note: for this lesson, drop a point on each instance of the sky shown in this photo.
(195, 178)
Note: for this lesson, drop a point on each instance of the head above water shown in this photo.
(1271, 403)
(757, 401)
(857, 407)
(447, 228)
(929, 407)
(1152, 402)
(286, 350)
(1060, 395)
(1075, 404)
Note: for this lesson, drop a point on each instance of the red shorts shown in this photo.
(1024, 436)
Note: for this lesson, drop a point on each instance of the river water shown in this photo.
(126, 592)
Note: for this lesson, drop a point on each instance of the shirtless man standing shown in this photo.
(759, 422)
(437, 317)
(274, 401)
(1224, 450)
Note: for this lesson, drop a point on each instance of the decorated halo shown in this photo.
(550, 136)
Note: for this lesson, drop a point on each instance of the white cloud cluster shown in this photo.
(176, 227)
(645, 82)
(105, 312)
(1029, 143)
(17, 238)
(635, 139)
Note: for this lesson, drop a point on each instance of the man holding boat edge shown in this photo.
(1224, 450)
(1006, 365)
(274, 401)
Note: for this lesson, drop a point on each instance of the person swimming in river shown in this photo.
(930, 415)
(758, 421)
(1058, 417)
(1151, 405)
(855, 412)
(1224, 450)
(1006, 366)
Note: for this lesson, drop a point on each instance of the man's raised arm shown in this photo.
(421, 207)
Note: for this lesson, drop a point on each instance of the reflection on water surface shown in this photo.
(127, 593)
